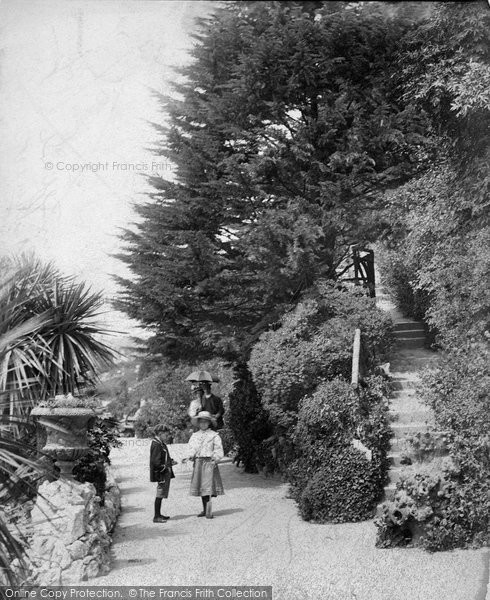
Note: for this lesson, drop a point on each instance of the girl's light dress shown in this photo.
(205, 447)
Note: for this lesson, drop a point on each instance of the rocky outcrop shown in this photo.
(70, 531)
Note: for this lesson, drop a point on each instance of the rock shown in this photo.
(70, 540)
(91, 569)
(41, 546)
(75, 520)
(77, 550)
(60, 554)
(50, 576)
(74, 574)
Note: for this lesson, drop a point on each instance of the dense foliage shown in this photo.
(457, 391)
(302, 372)
(439, 225)
(102, 437)
(248, 420)
(442, 506)
(331, 479)
(286, 129)
(314, 342)
(438, 235)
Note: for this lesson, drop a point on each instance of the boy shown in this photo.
(161, 468)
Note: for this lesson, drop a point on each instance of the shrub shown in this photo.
(457, 391)
(247, 419)
(102, 437)
(330, 479)
(443, 505)
(400, 277)
(314, 342)
(342, 489)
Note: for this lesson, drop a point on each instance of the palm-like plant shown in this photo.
(19, 337)
(48, 346)
(73, 350)
(60, 356)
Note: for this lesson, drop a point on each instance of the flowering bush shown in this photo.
(442, 505)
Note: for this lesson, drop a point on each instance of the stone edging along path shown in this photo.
(258, 538)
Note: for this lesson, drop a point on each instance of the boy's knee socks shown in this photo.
(158, 506)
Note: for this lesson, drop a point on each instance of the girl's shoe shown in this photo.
(202, 514)
(159, 519)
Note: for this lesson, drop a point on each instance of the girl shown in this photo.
(205, 449)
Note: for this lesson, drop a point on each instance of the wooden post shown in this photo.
(356, 353)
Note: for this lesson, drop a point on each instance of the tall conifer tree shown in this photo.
(284, 132)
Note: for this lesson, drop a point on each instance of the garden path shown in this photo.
(258, 538)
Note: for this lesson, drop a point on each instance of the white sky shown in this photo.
(75, 81)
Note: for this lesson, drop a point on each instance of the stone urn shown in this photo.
(66, 430)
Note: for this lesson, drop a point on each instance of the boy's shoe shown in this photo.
(160, 519)
(202, 514)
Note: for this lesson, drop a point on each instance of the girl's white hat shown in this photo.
(204, 414)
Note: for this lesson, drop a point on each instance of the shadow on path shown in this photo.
(228, 511)
(139, 532)
(127, 564)
(132, 490)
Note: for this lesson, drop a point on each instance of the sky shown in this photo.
(75, 133)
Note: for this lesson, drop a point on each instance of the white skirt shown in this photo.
(206, 479)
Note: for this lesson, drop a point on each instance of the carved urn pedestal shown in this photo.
(66, 430)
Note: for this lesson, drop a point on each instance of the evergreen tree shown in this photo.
(286, 129)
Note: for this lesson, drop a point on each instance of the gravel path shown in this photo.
(257, 538)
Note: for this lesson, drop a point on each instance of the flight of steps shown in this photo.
(408, 414)
(408, 358)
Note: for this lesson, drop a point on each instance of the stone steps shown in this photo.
(409, 342)
(409, 333)
(412, 417)
(402, 405)
(401, 430)
(398, 445)
(408, 326)
(399, 385)
(409, 415)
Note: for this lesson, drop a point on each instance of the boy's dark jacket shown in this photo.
(160, 461)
